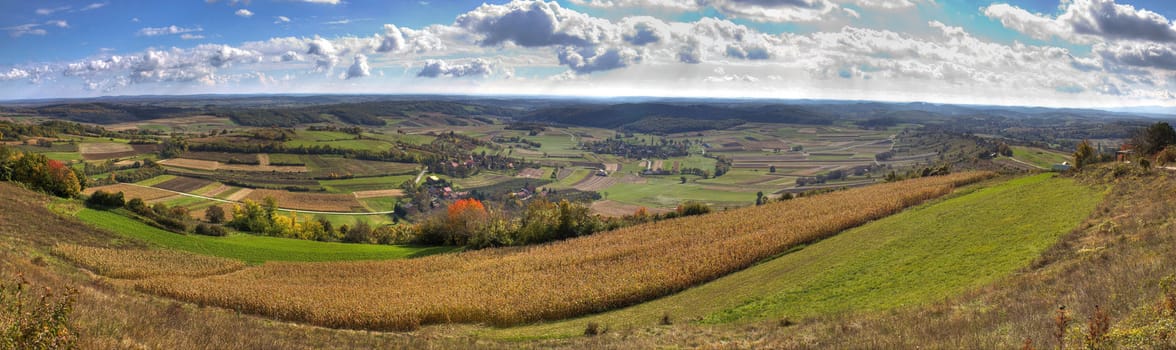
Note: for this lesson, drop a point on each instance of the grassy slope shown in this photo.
(917, 256)
(1039, 157)
(249, 248)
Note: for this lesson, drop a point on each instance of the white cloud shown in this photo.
(1087, 21)
(13, 74)
(25, 29)
(359, 68)
(94, 6)
(676, 5)
(281, 19)
(58, 23)
(189, 36)
(50, 11)
(438, 68)
(244, 13)
(169, 30)
(325, 2)
(755, 10)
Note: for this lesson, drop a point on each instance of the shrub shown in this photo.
(692, 208)
(211, 230)
(105, 200)
(32, 321)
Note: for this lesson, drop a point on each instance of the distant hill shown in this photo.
(669, 118)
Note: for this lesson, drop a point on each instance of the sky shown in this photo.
(1054, 53)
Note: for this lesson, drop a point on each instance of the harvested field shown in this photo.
(196, 120)
(183, 184)
(564, 173)
(309, 201)
(132, 191)
(597, 183)
(657, 165)
(321, 167)
(240, 194)
(616, 209)
(531, 173)
(105, 150)
(378, 193)
(104, 147)
(559, 280)
(226, 158)
(612, 167)
(213, 192)
(142, 263)
(214, 166)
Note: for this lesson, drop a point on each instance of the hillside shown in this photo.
(1109, 254)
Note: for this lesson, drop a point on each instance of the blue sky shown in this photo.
(1083, 53)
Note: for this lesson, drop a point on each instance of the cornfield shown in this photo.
(140, 263)
(565, 279)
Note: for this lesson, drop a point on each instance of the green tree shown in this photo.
(1084, 155)
(215, 214)
(1153, 139)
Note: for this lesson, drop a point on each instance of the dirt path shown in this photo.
(263, 159)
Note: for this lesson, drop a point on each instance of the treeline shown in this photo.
(467, 222)
(618, 115)
(516, 139)
(40, 173)
(660, 149)
(670, 125)
(56, 128)
(107, 113)
(364, 113)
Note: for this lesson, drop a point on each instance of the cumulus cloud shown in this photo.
(644, 30)
(169, 30)
(584, 61)
(439, 68)
(1087, 21)
(244, 13)
(755, 10)
(359, 68)
(13, 74)
(392, 40)
(534, 24)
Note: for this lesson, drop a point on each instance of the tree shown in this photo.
(759, 198)
(1084, 155)
(682, 179)
(772, 169)
(1153, 139)
(215, 214)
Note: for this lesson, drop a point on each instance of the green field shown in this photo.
(335, 139)
(668, 192)
(921, 255)
(250, 248)
(365, 183)
(1039, 157)
(156, 180)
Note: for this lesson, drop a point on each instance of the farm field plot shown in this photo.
(325, 166)
(183, 184)
(105, 150)
(147, 194)
(918, 256)
(156, 180)
(661, 192)
(365, 183)
(142, 263)
(553, 281)
(1040, 157)
(196, 123)
(482, 179)
(214, 166)
(617, 209)
(378, 193)
(308, 201)
(224, 157)
(306, 138)
(249, 248)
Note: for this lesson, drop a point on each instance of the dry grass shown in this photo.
(309, 201)
(553, 281)
(142, 263)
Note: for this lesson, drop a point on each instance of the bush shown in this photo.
(105, 200)
(30, 321)
(215, 214)
(139, 207)
(211, 230)
(692, 208)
